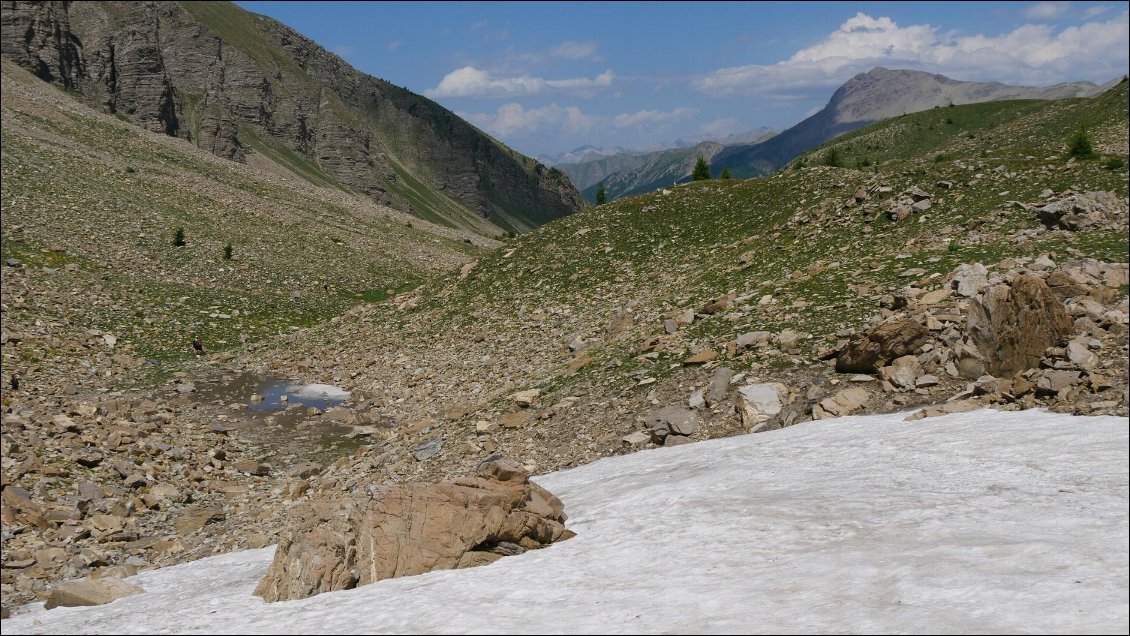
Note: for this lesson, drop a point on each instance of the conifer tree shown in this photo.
(701, 171)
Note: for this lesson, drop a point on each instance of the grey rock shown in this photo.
(674, 419)
(969, 280)
(719, 386)
(428, 449)
(760, 403)
(637, 438)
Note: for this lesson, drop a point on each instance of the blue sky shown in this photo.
(547, 77)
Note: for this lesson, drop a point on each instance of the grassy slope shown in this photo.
(680, 250)
(87, 189)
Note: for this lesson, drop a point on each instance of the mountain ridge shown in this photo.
(236, 83)
(874, 96)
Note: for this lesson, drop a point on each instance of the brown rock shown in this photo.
(251, 467)
(194, 520)
(336, 543)
(718, 305)
(701, 357)
(867, 352)
(90, 592)
(958, 406)
(903, 372)
(514, 419)
(526, 398)
(841, 403)
(1012, 325)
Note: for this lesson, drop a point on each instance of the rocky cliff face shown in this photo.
(236, 83)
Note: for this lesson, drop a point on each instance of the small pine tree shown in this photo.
(178, 238)
(832, 158)
(601, 197)
(227, 251)
(1081, 146)
(701, 171)
(725, 174)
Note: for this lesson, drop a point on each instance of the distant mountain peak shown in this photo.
(880, 93)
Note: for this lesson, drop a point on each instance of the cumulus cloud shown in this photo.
(1046, 10)
(1095, 11)
(472, 82)
(514, 120)
(1031, 54)
(573, 51)
(652, 117)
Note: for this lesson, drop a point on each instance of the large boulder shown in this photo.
(1081, 211)
(760, 403)
(1012, 325)
(90, 592)
(969, 279)
(341, 542)
(867, 352)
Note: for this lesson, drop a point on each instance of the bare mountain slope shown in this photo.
(874, 96)
(236, 83)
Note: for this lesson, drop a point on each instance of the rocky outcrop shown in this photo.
(233, 82)
(338, 543)
(873, 349)
(1085, 211)
(1012, 325)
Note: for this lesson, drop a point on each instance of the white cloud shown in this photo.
(343, 50)
(472, 82)
(573, 50)
(395, 44)
(1030, 54)
(722, 127)
(652, 117)
(1046, 10)
(1095, 11)
(514, 120)
(510, 120)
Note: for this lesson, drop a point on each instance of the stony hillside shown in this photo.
(953, 258)
(245, 87)
(92, 206)
(874, 96)
(566, 345)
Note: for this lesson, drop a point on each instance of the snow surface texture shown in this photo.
(318, 391)
(981, 522)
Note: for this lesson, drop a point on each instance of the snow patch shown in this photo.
(981, 522)
(318, 392)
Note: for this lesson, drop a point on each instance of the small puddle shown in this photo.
(276, 400)
(278, 412)
(277, 395)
